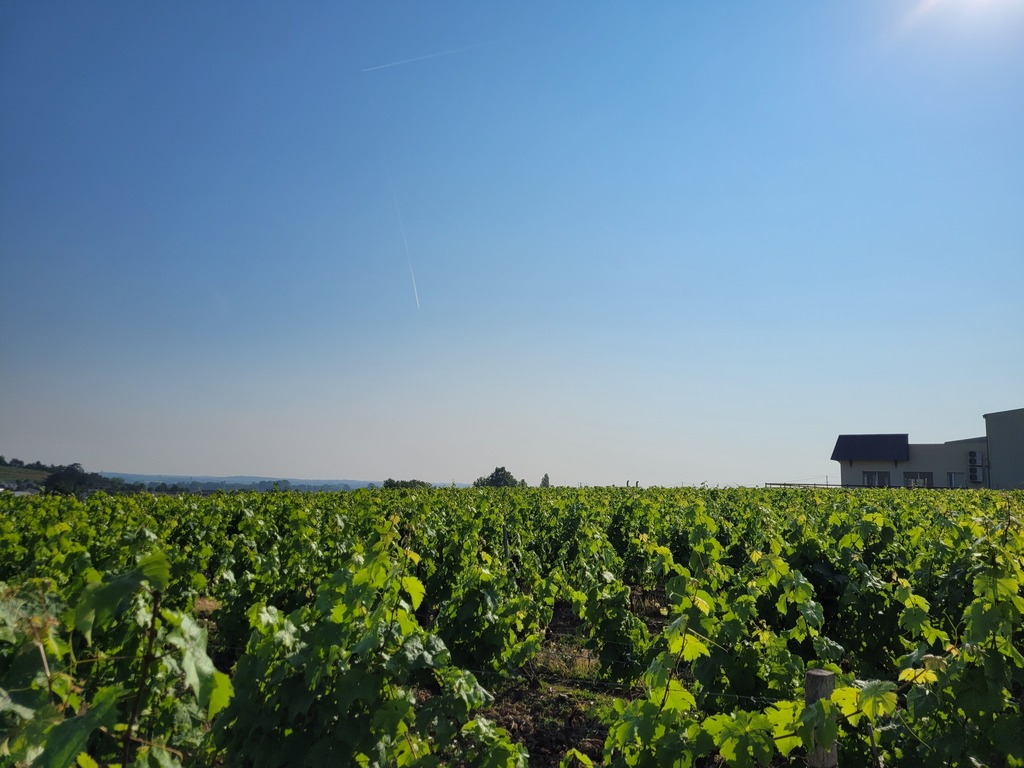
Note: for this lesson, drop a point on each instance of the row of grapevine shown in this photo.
(374, 627)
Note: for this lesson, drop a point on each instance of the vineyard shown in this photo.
(512, 627)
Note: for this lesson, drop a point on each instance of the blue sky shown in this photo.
(689, 243)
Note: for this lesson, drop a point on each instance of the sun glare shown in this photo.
(925, 8)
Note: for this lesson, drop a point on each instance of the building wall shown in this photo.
(1005, 431)
(937, 458)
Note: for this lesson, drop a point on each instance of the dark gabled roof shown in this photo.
(871, 448)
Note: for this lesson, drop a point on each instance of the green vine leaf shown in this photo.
(156, 569)
(689, 646)
(742, 737)
(66, 740)
(675, 696)
(877, 699)
(415, 589)
(785, 718)
(848, 700)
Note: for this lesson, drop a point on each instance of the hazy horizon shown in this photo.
(679, 245)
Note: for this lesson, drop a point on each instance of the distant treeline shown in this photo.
(392, 484)
(38, 465)
(212, 486)
(73, 479)
(68, 478)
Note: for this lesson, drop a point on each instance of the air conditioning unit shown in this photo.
(977, 475)
(975, 459)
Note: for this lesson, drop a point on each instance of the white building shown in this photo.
(993, 461)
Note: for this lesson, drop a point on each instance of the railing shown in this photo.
(804, 485)
(857, 485)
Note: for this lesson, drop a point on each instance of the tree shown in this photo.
(499, 478)
(392, 484)
(69, 480)
(545, 482)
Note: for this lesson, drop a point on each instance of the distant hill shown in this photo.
(232, 482)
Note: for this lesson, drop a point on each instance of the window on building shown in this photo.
(956, 479)
(875, 479)
(918, 480)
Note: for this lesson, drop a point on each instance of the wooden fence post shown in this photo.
(819, 684)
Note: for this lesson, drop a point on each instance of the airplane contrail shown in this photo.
(401, 226)
(428, 56)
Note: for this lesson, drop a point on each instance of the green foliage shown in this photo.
(126, 699)
(499, 478)
(353, 677)
(265, 629)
